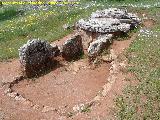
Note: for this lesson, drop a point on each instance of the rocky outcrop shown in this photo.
(34, 55)
(109, 21)
(72, 48)
(96, 46)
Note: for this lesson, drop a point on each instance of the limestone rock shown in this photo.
(103, 25)
(72, 48)
(56, 50)
(34, 55)
(107, 58)
(108, 13)
(116, 13)
(109, 21)
(47, 109)
(96, 46)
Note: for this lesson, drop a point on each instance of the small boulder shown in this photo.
(72, 48)
(107, 58)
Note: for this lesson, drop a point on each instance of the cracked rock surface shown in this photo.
(109, 21)
(96, 46)
(72, 47)
(35, 54)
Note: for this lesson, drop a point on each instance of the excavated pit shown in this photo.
(66, 86)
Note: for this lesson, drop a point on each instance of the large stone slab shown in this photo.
(35, 55)
(72, 48)
(103, 25)
(109, 21)
(120, 14)
(97, 46)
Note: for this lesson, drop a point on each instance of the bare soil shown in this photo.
(9, 70)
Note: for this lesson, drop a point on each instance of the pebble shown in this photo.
(47, 109)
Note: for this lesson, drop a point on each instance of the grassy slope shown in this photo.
(142, 101)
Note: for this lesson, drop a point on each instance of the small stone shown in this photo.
(76, 108)
(107, 58)
(79, 108)
(28, 103)
(47, 109)
(122, 64)
(9, 90)
(67, 26)
(97, 98)
(112, 54)
(106, 89)
(75, 67)
(12, 94)
(36, 107)
(19, 98)
(18, 78)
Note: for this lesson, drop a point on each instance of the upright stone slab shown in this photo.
(72, 48)
(98, 45)
(35, 55)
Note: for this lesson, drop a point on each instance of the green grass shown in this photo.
(142, 101)
(46, 25)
